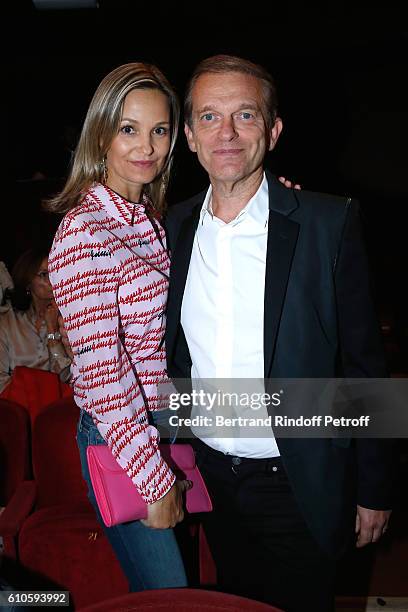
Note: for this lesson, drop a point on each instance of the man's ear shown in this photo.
(275, 133)
(190, 138)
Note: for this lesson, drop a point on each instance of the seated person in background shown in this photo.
(28, 329)
(6, 285)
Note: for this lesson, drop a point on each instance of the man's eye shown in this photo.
(161, 131)
(127, 129)
(246, 115)
(208, 117)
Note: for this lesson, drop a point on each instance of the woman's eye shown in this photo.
(127, 129)
(161, 131)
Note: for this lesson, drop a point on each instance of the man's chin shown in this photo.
(228, 175)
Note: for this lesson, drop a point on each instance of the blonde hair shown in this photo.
(100, 127)
(220, 64)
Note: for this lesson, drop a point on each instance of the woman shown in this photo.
(109, 270)
(29, 328)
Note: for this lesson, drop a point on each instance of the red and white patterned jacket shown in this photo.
(109, 273)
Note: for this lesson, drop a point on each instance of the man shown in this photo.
(268, 282)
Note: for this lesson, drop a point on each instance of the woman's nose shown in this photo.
(146, 144)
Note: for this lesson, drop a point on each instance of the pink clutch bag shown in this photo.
(117, 496)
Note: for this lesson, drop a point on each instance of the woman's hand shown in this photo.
(64, 338)
(168, 511)
(51, 317)
(289, 184)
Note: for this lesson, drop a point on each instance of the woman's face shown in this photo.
(40, 285)
(139, 150)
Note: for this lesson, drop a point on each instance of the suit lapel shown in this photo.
(180, 263)
(282, 237)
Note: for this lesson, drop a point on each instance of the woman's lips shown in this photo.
(142, 164)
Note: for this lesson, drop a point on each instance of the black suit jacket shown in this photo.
(319, 322)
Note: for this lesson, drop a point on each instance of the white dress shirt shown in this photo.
(223, 309)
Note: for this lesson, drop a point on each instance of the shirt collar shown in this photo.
(257, 209)
(117, 207)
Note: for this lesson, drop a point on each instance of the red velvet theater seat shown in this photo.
(35, 389)
(15, 463)
(180, 600)
(15, 466)
(62, 540)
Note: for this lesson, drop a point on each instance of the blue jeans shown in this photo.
(150, 558)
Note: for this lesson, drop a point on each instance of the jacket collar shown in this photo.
(281, 199)
(282, 238)
(118, 207)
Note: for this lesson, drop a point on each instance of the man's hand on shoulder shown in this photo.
(370, 525)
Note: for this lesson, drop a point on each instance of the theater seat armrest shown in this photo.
(18, 508)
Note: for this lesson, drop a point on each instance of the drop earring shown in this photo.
(104, 171)
(163, 184)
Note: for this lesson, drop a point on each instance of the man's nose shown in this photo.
(227, 129)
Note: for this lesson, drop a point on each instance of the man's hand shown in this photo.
(168, 511)
(289, 184)
(64, 338)
(370, 525)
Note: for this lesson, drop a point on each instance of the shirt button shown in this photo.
(274, 469)
(236, 460)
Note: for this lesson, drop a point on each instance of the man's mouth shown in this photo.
(227, 152)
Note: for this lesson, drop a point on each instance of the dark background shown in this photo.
(341, 72)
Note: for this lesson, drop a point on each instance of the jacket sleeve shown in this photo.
(105, 384)
(362, 355)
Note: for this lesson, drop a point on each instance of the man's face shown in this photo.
(228, 130)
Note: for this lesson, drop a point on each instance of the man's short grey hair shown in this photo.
(219, 64)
